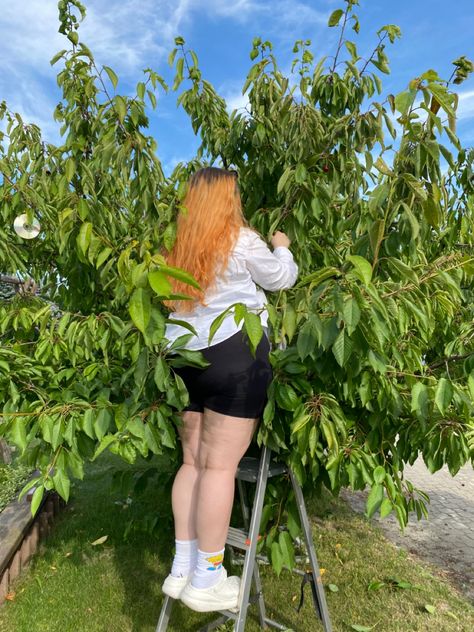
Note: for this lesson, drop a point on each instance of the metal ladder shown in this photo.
(254, 470)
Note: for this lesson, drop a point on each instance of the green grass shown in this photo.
(73, 586)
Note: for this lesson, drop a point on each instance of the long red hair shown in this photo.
(207, 229)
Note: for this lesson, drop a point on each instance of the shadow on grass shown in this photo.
(73, 585)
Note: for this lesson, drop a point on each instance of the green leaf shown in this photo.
(361, 628)
(429, 608)
(319, 276)
(216, 323)
(335, 17)
(84, 237)
(301, 173)
(287, 549)
(253, 328)
(181, 275)
(443, 97)
(470, 385)
(28, 486)
(333, 587)
(444, 394)
(57, 56)
(363, 269)
(351, 47)
(62, 484)
(286, 396)
(379, 474)
(403, 270)
(342, 348)
(351, 314)
(386, 508)
(121, 108)
(88, 423)
(106, 441)
(277, 558)
(159, 283)
(161, 374)
(289, 321)
(374, 500)
(36, 499)
(376, 585)
(73, 37)
(184, 324)
(307, 339)
(300, 422)
(18, 432)
(284, 179)
(188, 357)
(141, 88)
(112, 76)
(376, 233)
(420, 400)
(140, 308)
(102, 422)
(404, 100)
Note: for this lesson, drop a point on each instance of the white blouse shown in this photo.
(251, 263)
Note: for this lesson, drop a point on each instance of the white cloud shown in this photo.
(466, 105)
(274, 14)
(127, 35)
(232, 94)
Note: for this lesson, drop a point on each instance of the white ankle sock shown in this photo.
(185, 558)
(208, 568)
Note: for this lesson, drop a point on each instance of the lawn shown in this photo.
(74, 585)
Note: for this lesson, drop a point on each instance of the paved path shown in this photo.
(446, 538)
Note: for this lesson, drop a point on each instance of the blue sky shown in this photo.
(130, 35)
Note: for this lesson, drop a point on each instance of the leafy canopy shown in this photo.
(373, 348)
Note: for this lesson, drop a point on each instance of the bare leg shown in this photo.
(184, 492)
(224, 441)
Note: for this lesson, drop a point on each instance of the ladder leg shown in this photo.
(164, 614)
(311, 553)
(262, 614)
(244, 503)
(250, 561)
(256, 572)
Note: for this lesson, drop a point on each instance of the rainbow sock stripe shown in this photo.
(215, 562)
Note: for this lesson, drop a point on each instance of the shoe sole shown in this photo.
(172, 594)
(200, 604)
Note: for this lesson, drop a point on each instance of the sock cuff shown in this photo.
(208, 553)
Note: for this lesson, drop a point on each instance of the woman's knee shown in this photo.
(224, 441)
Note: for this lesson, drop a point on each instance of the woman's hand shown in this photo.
(280, 239)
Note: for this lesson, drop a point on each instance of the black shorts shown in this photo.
(235, 383)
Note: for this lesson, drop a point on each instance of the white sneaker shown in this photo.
(222, 596)
(173, 586)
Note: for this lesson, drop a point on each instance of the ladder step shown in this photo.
(249, 466)
(239, 538)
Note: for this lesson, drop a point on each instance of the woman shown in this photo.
(229, 260)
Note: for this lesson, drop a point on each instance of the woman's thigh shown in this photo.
(224, 440)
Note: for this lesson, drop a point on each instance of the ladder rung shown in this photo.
(248, 469)
(239, 538)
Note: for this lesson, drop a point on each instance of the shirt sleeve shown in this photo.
(272, 271)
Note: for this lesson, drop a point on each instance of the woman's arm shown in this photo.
(271, 270)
